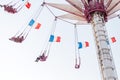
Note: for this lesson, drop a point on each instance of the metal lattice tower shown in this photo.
(104, 54)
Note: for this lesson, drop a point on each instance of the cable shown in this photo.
(77, 54)
(56, 16)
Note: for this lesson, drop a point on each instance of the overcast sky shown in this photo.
(17, 60)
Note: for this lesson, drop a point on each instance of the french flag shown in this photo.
(54, 39)
(83, 44)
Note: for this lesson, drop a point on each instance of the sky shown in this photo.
(17, 60)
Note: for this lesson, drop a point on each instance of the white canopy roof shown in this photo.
(75, 9)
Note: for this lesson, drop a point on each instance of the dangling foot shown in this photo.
(12, 38)
(77, 66)
(38, 58)
(1, 5)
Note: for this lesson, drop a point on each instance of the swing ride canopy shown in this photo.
(80, 10)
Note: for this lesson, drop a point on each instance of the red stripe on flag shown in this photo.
(58, 39)
(86, 44)
(113, 39)
(28, 5)
(38, 26)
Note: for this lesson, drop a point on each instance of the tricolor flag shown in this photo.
(38, 26)
(28, 5)
(53, 38)
(113, 39)
(81, 45)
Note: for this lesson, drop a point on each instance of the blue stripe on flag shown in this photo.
(51, 38)
(31, 22)
(80, 45)
(107, 42)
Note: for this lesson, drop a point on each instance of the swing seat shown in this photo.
(43, 58)
(77, 66)
(10, 9)
(20, 39)
(17, 39)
